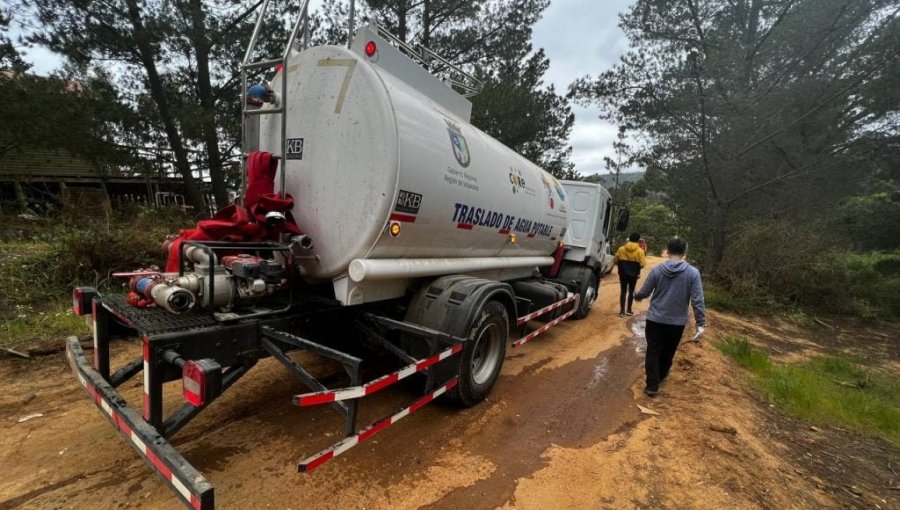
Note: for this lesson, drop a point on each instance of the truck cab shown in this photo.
(590, 216)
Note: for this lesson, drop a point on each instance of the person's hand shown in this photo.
(699, 333)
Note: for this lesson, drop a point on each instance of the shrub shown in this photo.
(89, 256)
(52, 261)
(762, 260)
(40, 268)
(724, 300)
(867, 284)
(779, 264)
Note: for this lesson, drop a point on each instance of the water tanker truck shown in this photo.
(376, 223)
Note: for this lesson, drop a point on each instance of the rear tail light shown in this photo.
(82, 297)
(202, 381)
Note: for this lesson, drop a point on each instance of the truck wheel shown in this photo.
(587, 294)
(482, 358)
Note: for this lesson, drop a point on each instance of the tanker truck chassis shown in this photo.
(419, 248)
(209, 357)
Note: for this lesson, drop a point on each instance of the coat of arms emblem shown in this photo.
(458, 143)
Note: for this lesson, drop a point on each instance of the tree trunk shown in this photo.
(715, 247)
(157, 91)
(426, 23)
(21, 199)
(750, 39)
(207, 104)
(402, 14)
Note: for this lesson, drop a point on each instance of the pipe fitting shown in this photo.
(302, 241)
(172, 298)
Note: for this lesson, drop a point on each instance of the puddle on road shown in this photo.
(600, 372)
(639, 340)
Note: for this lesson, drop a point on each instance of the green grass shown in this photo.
(825, 390)
(28, 325)
(41, 268)
(740, 350)
(33, 311)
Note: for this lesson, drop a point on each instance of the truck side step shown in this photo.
(533, 315)
(531, 336)
(329, 453)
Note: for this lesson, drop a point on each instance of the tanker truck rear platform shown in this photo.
(424, 241)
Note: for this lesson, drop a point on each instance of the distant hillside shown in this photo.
(609, 180)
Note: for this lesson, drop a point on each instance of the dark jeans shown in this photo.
(627, 286)
(662, 342)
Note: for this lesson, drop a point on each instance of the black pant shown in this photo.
(662, 342)
(627, 286)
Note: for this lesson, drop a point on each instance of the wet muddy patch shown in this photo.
(574, 406)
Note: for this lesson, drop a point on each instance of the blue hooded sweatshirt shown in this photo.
(674, 286)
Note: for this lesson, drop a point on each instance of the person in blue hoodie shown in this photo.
(671, 287)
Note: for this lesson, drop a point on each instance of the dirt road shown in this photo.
(568, 387)
(562, 429)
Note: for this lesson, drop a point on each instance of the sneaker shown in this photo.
(651, 392)
(621, 314)
(629, 313)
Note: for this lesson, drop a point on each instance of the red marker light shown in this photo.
(82, 299)
(371, 49)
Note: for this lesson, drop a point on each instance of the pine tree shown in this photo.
(492, 40)
(179, 64)
(753, 108)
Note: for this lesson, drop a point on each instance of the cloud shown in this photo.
(591, 140)
(582, 37)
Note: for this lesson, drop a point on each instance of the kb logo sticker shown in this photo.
(408, 202)
(294, 148)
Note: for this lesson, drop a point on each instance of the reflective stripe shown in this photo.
(146, 378)
(126, 431)
(137, 441)
(324, 397)
(548, 308)
(542, 329)
(329, 453)
(180, 487)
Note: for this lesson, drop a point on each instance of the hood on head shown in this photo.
(671, 268)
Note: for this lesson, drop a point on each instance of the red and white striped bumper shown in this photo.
(184, 480)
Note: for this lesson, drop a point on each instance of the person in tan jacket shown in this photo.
(629, 259)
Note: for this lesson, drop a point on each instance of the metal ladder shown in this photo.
(454, 76)
(301, 28)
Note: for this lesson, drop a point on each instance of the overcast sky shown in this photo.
(583, 37)
(580, 37)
